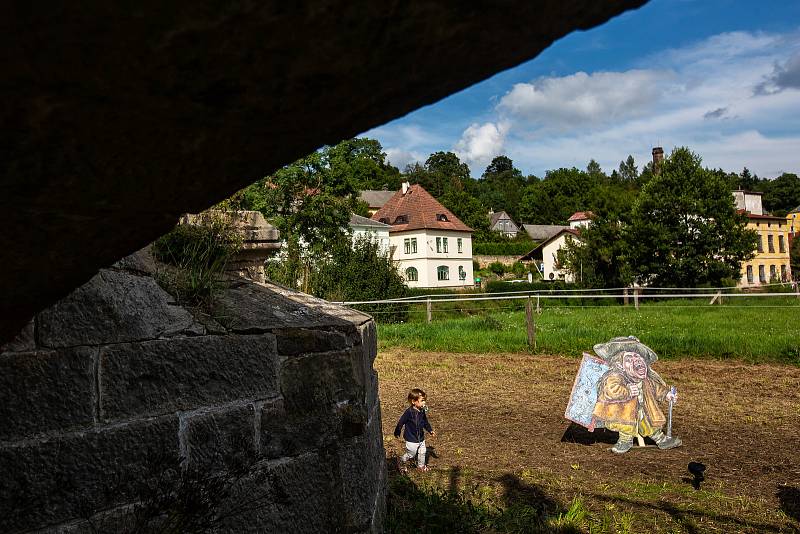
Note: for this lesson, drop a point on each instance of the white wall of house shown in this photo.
(427, 260)
(379, 234)
(549, 257)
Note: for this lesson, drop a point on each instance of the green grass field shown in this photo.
(754, 330)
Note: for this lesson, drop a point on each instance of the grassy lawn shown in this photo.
(752, 330)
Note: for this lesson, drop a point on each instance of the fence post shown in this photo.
(625, 296)
(714, 299)
(530, 323)
(636, 298)
(538, 309)
(428, 302)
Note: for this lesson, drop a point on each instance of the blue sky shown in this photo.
(719, 76)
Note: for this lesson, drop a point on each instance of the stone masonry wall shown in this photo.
(116, 388)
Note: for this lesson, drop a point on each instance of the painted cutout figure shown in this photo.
(620, 391)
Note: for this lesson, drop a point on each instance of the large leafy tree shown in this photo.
(501, 185)
(469, 210)
(598, 259)
(362, 161)
(781, 194)
(684, 228)
(442, 172)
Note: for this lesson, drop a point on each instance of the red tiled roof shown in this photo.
(419, 210)
(581, 216)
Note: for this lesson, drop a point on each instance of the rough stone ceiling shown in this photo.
(118, 117)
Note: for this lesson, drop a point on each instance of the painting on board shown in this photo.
(619, 390)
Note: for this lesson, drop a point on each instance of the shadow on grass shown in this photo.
(416, 506)
(689, 519)
(789, 498)
(575, 433)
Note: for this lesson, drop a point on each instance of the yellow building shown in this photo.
(793, 220)
(771, 262)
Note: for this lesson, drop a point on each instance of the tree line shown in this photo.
(676, 226)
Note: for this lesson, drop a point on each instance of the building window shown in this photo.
(760, 244)
(749, 274)
(401, 219)
(784, 278)
(441, 217)
(444, 245)
(773, 275)
(460, 243)
(770, 245)
(407, 246)
(443, 272)
(462, 274)
(411, 274)
(781, 246)
(438, 244)
(413, 245)
(762, 275)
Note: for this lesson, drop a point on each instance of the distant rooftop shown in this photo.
(358, 220)
(375, 198)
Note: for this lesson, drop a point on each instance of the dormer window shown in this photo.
(384, 220)
(401, 219)
(441, 217)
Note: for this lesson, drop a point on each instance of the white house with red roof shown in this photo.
(580, 218)
(545, 255)
(432, 247)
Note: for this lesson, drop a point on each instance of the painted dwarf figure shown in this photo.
(629, 392)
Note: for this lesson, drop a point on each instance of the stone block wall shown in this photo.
(116, 392)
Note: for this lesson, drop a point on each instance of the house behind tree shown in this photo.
(431, 246)
(502, 223)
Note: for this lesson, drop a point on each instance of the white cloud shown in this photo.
(585, 100)
(400, 157)
(480, 143)
(566, 121)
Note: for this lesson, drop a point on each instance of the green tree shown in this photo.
(794, 258)
(598, 259)
(362, 161)
(781, 194)
(442, 172)
(684, 229)
(500, 187)
(356, 269)
(628, 172)
(469, 210)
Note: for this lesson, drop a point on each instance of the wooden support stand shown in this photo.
(429, 306)
(531, 323)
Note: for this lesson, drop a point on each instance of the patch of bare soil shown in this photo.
(505, 414)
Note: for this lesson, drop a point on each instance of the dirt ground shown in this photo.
(502, 415)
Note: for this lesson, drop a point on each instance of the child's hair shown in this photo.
(416, 394)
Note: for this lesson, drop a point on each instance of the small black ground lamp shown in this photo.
(697, 469)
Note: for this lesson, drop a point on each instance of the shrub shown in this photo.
(497, 268)
(199, 253)
(508, 248)
(357, 270)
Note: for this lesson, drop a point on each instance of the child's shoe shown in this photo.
(622, 446)
(423, 468)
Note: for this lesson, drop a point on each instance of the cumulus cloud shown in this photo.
(581, 99)
(481, 142)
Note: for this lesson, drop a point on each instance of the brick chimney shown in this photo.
(658, 158)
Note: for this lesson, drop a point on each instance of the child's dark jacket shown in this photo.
(415, 423)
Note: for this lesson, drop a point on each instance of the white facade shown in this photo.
(376, 231)
(749, 201)
(549, 259)
(436, 258)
